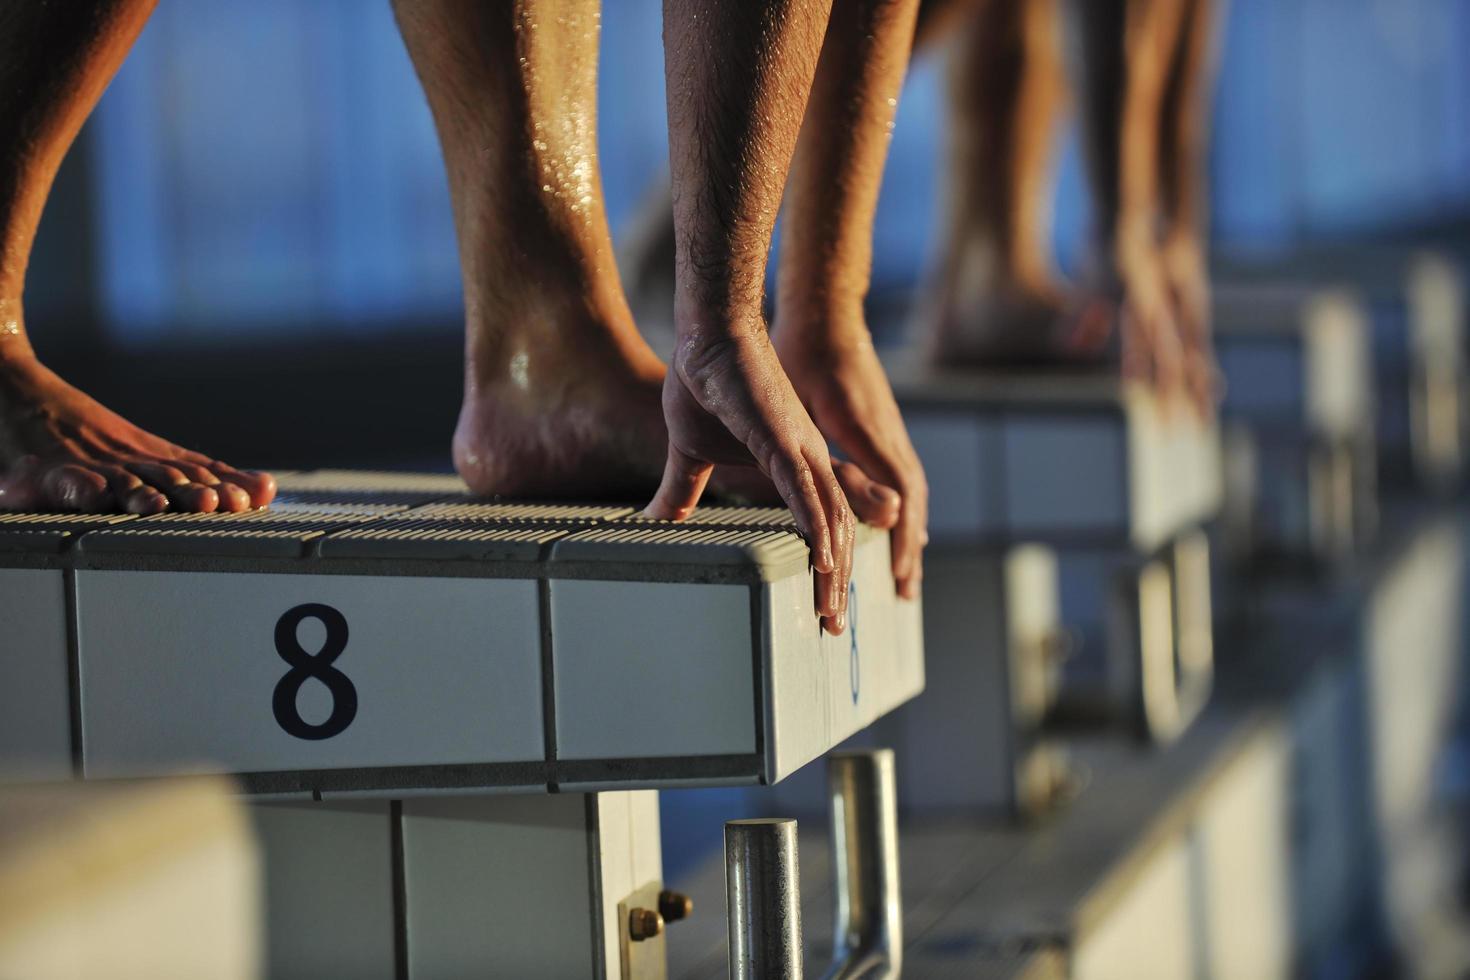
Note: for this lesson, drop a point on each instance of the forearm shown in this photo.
(832, 193)
(738, 76)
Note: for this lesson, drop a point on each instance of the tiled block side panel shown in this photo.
(180, 671)
(652, 669)
(498, 886)
(328, 889)
(35, 712)
(861, 675)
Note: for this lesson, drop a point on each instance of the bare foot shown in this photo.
(1013, 328)
(568, 419)
(843, 386)
(62, 451)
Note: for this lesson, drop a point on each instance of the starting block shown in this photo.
(1299, 407)
(378, 658)
(1066, 582)
(330, 647)
(1415, 305)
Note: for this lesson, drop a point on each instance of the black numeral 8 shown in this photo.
(318, 666)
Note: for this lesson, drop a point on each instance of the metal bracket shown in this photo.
(641, 946)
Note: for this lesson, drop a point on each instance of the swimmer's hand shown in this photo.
(842, 383)
(727, 401)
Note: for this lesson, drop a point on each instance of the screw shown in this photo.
(644, 924)
(674, 906)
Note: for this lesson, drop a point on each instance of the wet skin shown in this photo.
(59, 449)
(562, 395)
(821, 336)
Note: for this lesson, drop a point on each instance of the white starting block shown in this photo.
(393, 648)
(445, 646)
(1416, 307)
(1299, 407)
(1055, 500)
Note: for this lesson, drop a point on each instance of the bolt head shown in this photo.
(674, 906)
(644, 924)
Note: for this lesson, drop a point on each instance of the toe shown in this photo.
(159, 475)
(194, 498)
(144, 500)
(195, 472)
(73, 487)
(233, 498)
(261, 487)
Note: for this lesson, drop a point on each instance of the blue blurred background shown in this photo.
(269, 170)
(255, 224)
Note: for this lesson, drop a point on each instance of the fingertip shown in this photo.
(822, 561)
(682, 485)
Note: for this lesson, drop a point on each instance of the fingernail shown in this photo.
(878, 493)
(842, 622)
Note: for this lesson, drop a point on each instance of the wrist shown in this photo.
(821, 326)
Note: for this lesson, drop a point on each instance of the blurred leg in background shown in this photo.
(821, 333)
(1183, 170)
(59, 449)
(1123, 51)
(997, 300)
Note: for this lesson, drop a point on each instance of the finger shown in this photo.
(909, 537)
(683, 483)
(874, 503)
(792, 476)
(843, 530)
(71, 487)
(826, 587)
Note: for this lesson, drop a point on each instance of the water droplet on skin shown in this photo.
(519, 373)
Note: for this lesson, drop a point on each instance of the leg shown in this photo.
(1183, 151)
(826, 257)
(739, 73)
(59, 449)
(561, 393)
(1122, 49)
(998, 300)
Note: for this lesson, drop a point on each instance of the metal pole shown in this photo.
(763, 899)
(868, 917)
